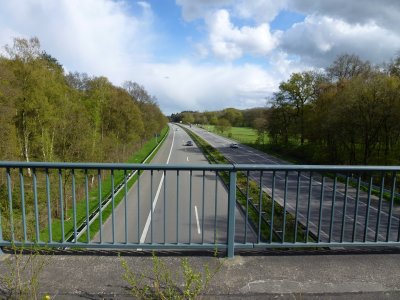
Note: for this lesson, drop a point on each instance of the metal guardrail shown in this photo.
(187, 206)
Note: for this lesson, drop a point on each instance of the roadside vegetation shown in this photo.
(162, 281)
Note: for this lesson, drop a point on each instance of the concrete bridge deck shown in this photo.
(289, 274)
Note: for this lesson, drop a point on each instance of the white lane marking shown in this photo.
(147, 225)
(187, 158)
(197, 220)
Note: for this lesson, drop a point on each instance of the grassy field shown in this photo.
(245, 135)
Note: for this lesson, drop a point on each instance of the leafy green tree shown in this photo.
(297, 92)
(223, 125)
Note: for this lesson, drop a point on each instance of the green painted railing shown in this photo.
(198, 206)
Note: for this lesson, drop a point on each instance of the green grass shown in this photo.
(240, 134)
(106, 188)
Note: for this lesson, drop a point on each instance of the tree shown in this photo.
(260, 125)
(297, 92)
(234, 116)
(223, 125)
(347, 66)
(188, 118)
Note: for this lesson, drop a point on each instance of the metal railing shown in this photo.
(228, 207)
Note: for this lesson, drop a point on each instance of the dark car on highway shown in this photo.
(189, 143)
(234, 145)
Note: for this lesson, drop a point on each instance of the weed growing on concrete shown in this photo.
(161, 282)
(22, 279)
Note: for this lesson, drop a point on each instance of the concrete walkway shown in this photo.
(333, 274)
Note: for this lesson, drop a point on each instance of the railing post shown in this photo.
(231, 213)
(1, 234)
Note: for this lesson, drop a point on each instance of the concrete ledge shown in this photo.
(274, 275)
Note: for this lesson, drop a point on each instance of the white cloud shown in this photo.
(259, 10)
(230, 42)
(384, 13)
(188, 86)
(91, 36)
(318, 40)
(194, 9)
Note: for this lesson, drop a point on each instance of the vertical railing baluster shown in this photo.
(190, 206)
(1, 231)
(165, 205)
(322, 195)
(346, 188)
(247, 206)
(378, 218)
(74, 203)
(215, 207)
(272, 208)
(333, 208)
(367, 209)
(391, 206)
(1, 226)
(284, 207)
(231, 213)
(260, 208)
(87, 207)
(309, 206)
(49, 223)
(126, 206)
(138, 207)
(177, 206)
(113, 205)
(202, 208)
(100, 205)
(296, 215)
(10, 207)
(60, 190)
(151, 206)
(35, 204)
(356, 208)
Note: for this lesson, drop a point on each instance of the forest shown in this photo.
(347, 113)
(48, 115)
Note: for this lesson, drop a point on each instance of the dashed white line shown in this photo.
(197, 220)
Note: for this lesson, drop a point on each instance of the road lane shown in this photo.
(188, 207)
(348, 217)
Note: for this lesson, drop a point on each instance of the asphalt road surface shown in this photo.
(186, 207)
(349, 219)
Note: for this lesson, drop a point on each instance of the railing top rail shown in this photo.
(112, 166)
(318, 168)
(219, 167)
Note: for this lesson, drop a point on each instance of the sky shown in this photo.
(204, 54)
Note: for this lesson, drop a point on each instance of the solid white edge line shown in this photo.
(197, 220)
(147, 225)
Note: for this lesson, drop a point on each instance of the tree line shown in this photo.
(346, 114)
(48, 115)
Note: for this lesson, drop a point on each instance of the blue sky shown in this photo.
(204, 54)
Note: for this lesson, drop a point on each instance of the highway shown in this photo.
(310, 204)
(186, 208)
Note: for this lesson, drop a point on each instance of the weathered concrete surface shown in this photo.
(262, 275)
